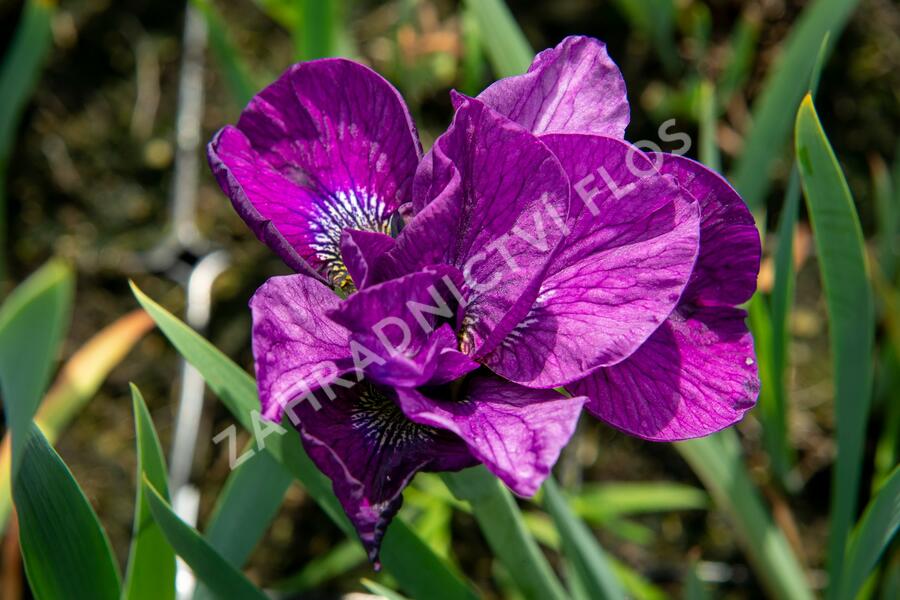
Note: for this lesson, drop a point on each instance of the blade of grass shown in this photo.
(504, 43)
(234, 70)
(76, 383)
(418, 569)
(339, 560)
(742, 50)
(252, 495)
(205, 562)
(600, 503)
(717, 462)
(65, 550)
(18, 76)
(151, 561)
(380, 590)
(707, 113)
(848, 296)
(595, 575)
(656, 20)
(872, 536)
(33, 320)
(773, 402)
(315, 34)
(501, 522)
(782, 91)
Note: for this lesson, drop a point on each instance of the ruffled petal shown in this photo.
(401, 330)
(489, 191)
(297, 349)
(516, 432)
(728, 262)
(329, 145)
(696, 375)
(360, 250)
(632, 243)
(572, 88)
(370, 451)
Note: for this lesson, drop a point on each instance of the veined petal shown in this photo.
(296, 348)
(362, 441)
(632, 243)
(515, 431)
(489, 193)
(696, 375)
(572, 88)
(330, 145)
(728, 262)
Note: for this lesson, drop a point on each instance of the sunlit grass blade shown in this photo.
(404, 554)
(234, 70)
(717, 462)
(848, 298)
(22, 61)
(707, 115)
(602, 502)
(64, 548)
(595, 575)
(76, 383)
(380, 590)
(204, 561)
(773, 404)
(33, 320)
(872, 536)
(783, 89)
(252, 495)
(501, 522)
(342, 558)
(504, 43)
(151, 561)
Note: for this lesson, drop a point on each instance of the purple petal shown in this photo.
(359, 251)
(401, 329)
(329, 145)
(297, 349)
(370, 451)
(728, 262)
(619, 273)
(696, 375)
(515, 431)
(488, 192)
(572, 88)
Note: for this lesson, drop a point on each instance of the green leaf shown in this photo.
(235, 71)
(19, 74)
(773, 397)
(501, 523)
(380, 590)
(339, 560)
(595, 575)
(717, 462)
(252, 496)
(694, 588)
(504, 43)
(599, 503)
(872, 536)
(841, 253)
(207, 564)
(783, 89)
(33, 320)
(707, 114)
(65, 550)
(404, 554)
(151, 561)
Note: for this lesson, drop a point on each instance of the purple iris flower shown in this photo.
(532, 248)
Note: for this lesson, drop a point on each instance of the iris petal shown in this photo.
(330, 145)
